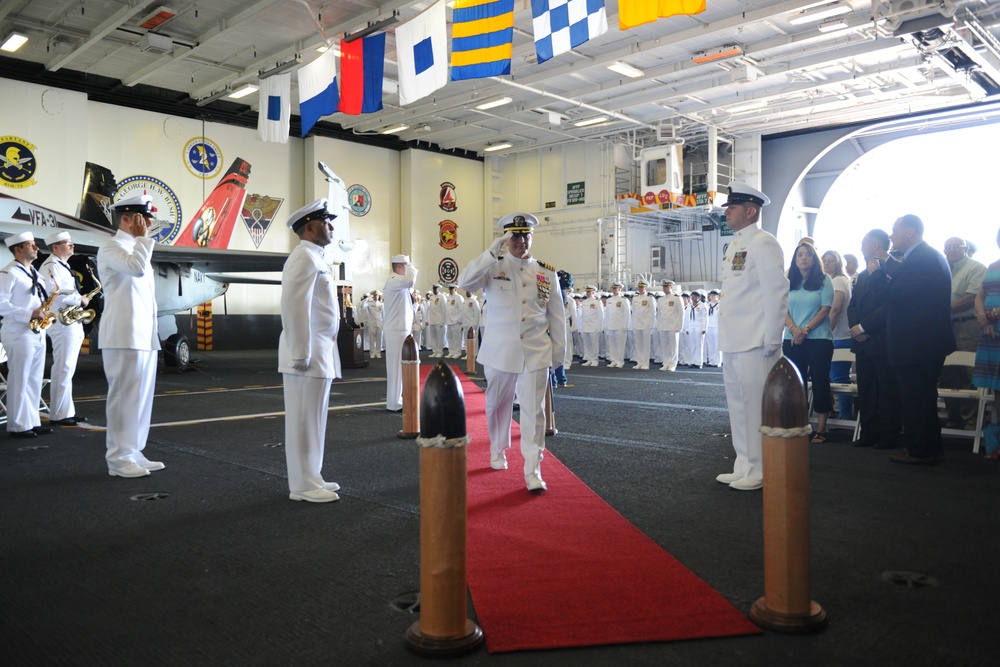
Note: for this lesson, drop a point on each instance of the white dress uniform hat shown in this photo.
(318, 210)
(668, 282)
(714, 291)
(642, 283)
(741, 192)
(138, 204)
(400, 259)
(518, 223)
(19, 238)
(590, 288)
(617, 284)
(58, 237)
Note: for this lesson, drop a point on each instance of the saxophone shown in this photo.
(45, 320)
(73, 314)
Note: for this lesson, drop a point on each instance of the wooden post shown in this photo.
(444, 629)
(786, 605)
(550, 414)
(411, 390)
(471, 343)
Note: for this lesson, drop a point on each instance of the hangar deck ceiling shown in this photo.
(875, 59)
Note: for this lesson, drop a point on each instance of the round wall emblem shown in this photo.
(17, 162)
(359, 199)
(448, 234)
(447, 271)
(168, 206)
(203, 157)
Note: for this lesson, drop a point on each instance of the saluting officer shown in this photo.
(398, 323)
(21, 298)
(751, 325)
(307, 351)
(66, 338)
(128, 336)
(524, 335)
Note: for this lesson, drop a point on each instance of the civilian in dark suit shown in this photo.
(878, 397)
(918, 323)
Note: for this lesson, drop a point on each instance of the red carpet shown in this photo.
(565, 569)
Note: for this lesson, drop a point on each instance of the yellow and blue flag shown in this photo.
(482, 38)
(637, 12)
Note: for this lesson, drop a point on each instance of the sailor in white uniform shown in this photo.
(617, 316)
(669, 321)
(751, 324)
(471, 316)
(435, 321)
(397, 325)
(692, 351)
(56, 274)
(307, 351)
(524, 335)
(21, 298)
(643, 321)
(591, 313)
(453, 315)
(713, 357)
(128, 336)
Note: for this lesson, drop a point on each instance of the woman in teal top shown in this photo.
(808, 337)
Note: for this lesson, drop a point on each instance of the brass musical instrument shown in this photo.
(45, 320)
(73, 314)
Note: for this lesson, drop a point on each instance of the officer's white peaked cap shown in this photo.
(318, 210)
(741, 192)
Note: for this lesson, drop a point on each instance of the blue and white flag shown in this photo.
(422, 54)
(561, 25)
(275, 108)
(318, 95)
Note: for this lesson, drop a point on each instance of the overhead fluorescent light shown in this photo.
(497, 147)
(492, 104)
(721, 53)
(14, 41)
(590, 121)
(218, 95)
(394, 130)
(373, 26)
(248, 89)
(833, 25)
(626, 70)
(292, 64)
(814, 14)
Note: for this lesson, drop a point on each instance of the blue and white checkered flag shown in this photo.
(561, 25)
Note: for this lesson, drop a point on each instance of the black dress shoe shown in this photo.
(69, 421)
(22, 434)
(42, 430)
(914, 460)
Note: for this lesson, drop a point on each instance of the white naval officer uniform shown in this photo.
(66, 339)
(375, 308)
(692, 352)
(308, 360)
(751, 324)
(524, 335)
(20, 294)
(643, 322)
(129, 343)
(453, 306)
(617, 315)
(397, 325)
(669, 322)
(471, 317)
(591, 313)
(435, 323)
(712, 354)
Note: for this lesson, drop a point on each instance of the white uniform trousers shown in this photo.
(529, 387)
(668, 348)
(131, 378)
(25, 366)
(655, 346)
(712, 354)
(642, 342)
(616, 346)
(375, 341)
(435, 339)
(307, 400)
(591, 346)
(394, 368)
(66, 341)
(455, 340)
(692, 352)
(743, 375)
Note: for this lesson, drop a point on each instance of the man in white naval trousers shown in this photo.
(375, 308)
(617, 316)
(397, 325)
(56, 274)
(307, 351)
(751, 324)
(692, 352)
(669, 321)
(21, 299)
(643, 321)
(453, 315)
(591, 313)
(713, 357)
(471, 317)
(435, 320)
(524, 335)
(128, 336)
